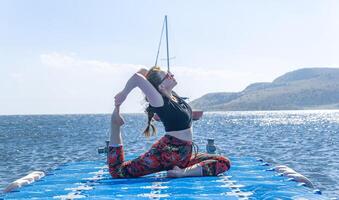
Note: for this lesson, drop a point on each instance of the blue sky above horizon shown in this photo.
(60, 57)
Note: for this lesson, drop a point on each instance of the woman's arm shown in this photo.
(139, 80)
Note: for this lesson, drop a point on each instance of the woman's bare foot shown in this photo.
(116, 118)
(176, 172)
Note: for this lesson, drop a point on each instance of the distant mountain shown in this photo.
(308, 88)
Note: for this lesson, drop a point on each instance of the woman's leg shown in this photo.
(163, 155)
(202, 165)
(116, 122)
(145, 164)
(211, 164)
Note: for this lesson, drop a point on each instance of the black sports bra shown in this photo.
(175, 116)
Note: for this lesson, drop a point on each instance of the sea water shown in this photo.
(307, 141)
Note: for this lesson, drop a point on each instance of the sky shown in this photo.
(72, 57)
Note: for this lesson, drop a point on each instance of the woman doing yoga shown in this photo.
(173, 152)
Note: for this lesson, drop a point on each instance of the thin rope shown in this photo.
(162, 31)
(167, 45)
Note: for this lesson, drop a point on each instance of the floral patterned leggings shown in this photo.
(166, 153)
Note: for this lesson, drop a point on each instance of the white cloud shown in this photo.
(75, 82)
(16, 76)
(197, 81)
(63, 61)
(98, 81)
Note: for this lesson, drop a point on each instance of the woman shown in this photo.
(173, 152)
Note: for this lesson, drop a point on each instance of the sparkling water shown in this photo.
(307, 141)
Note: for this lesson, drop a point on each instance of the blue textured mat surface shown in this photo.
(249, 178)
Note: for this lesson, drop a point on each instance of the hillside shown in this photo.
(308, 88)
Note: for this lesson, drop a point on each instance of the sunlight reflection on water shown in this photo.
(307, 141)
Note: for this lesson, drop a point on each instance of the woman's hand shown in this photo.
(120, 98)
(117, 119)
(130, 85)
(143, 72)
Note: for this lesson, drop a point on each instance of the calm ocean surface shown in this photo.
(307, 141)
